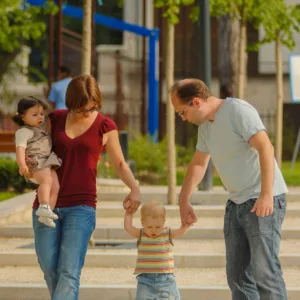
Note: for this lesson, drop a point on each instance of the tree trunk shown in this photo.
(224, 55)
(86, 37)
(170, 116)
(279, 115)
(120, 115)
(242, 60)
(234, 38)
(87, 52)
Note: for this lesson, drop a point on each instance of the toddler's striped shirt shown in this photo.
(155, 254)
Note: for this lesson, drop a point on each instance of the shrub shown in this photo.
(148, 156)
(5, 173)
(10, 177)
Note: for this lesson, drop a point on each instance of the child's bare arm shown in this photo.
(176, 233)
(20, 156)
(133, 231)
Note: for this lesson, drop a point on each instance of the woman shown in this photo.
(79, 134)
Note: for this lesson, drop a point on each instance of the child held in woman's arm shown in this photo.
(155, 262)
(34, 144)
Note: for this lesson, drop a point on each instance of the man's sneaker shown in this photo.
(45, 211)
(47, 221)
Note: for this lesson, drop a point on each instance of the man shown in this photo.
(232, 133)
(58, 90)
(225, 91)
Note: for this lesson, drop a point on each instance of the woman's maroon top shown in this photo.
(77, 175)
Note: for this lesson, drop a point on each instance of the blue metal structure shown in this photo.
(152, 34)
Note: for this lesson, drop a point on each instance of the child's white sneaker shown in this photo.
(44, 210)
(47, 221)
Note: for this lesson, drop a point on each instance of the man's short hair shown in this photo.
(187, 89)
(65, 70)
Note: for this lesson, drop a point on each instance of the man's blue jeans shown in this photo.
(252, 248)
(61, 251)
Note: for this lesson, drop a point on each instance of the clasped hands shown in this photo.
(132, 202)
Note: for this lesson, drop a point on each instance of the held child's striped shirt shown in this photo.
(155, 254)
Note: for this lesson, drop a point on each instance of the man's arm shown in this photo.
(261, 142)
(195, 173)
(52, 96)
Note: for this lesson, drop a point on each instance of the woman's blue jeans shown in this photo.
(61, 251)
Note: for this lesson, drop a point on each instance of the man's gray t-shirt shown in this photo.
(237, 162)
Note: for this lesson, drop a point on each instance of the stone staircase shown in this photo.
(108, 271)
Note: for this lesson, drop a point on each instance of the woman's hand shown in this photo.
(132, 202)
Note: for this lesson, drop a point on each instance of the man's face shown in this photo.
(191, 111)
(62, 75)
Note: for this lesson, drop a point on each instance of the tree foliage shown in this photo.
(20, 24)
(172, 9)
(281, 21)
(241, 10)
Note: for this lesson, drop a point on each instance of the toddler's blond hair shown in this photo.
(153, 209)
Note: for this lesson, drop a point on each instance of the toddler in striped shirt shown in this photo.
(155, 261)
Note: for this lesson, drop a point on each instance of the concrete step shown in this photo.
(207, 204)
(113, 216)
(122, 292)
(26, 283)
(213, 211)
(118, 232)
(201, 247)
(160, 194)
(125, 259)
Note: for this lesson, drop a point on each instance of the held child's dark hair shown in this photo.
(24, 104)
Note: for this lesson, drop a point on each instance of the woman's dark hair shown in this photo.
(24, 104)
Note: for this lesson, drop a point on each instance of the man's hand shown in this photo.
(187, 224)
(132, 202)
(187, 214)
(263, 206)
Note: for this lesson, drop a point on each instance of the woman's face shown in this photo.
(87, 110)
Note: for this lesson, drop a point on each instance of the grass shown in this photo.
(292, 177)
(7, 195)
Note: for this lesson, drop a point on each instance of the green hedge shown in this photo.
(10, 177)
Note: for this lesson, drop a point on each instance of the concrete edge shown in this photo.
(125, 260)
(124, 292)
(197, 198)
(116, 211)
(16, 204)
(118, 232)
